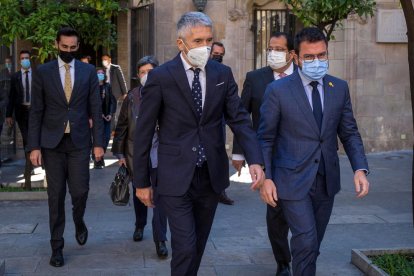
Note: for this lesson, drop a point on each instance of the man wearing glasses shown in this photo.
(280, 56)
(301, 117)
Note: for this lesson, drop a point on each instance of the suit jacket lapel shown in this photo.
(178, 73)
(78, 75)
(298, 91)
(211, 82)
(56, 78)
(268, 76)
(327, 100)
(20, 81)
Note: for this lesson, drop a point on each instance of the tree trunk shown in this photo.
(408, 8)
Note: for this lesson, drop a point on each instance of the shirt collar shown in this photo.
(61, 63)
(24, 70)
(289, 70)
(187, 66)
(306, 80)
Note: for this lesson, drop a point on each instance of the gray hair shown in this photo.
(147, 60)
(190, 20)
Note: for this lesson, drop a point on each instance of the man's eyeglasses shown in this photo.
(277, 49)
(309, 58)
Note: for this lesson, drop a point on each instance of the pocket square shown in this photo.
(220, 83)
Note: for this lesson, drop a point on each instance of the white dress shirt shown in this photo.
(24, 85)
(62, 71)
(190, 77)
(308, 88)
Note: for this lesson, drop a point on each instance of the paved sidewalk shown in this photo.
(238, 243)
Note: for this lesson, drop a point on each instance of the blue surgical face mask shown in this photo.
(25, 63)
(315, 70)
(8, 66)
(101, 76)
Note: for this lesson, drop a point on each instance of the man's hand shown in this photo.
(238, 165)
(36, 157)
(9, 121)
(361, 183)
(145, 195)
(98, 152)
(90, 123)
(268, 192)
(108, 118)
(122, 161)
(257, 175)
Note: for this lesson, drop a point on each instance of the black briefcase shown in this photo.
(119, 190)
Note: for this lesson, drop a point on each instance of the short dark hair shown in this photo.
(147, 60)
(67, 31)
(217, 43)
(309, 34)
(288, 37)
(25, 52)
(106, 55)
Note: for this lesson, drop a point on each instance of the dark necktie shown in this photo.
(316, 104)
(198, 102)
(27, 92)
(318, 114)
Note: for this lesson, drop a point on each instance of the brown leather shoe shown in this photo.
(225, 199)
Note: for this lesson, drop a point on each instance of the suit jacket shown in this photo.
(167, 99)
(50, 111)
(292, 143)
(254, 87)
(17, 94)
(118, 83)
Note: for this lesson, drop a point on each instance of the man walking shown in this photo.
(19, 106)
(280, 55)
(188, 97)
(300, 119)
(65, 95)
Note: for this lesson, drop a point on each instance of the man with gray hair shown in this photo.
(188, 97)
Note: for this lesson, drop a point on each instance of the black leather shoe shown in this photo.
(138, 234)
(81, 233)
(57, 258)
(225, 199)
(283, 269)
(162, 250)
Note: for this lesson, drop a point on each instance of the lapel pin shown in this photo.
(331, 84)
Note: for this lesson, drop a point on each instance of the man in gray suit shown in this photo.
(301, 117)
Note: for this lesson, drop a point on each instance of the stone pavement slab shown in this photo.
(238, 244)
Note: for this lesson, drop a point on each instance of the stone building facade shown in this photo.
(377, 73)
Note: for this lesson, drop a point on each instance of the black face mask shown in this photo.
(218, 58)
(67, 57)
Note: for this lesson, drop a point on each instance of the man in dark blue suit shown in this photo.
(301, 117)
(188, 97)
(280, 57)
(65, 95)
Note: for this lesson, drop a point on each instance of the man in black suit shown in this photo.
(115, 77)
(19, 106)
(280, 56)
(188, 97)
(65, 95)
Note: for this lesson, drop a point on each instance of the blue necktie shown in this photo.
(318, 114)
(198, 102)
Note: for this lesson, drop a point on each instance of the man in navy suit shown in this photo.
(65, 95)
(188, 97)
(280, 57)
(301, 117)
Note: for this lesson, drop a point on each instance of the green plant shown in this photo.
(327, 14)
(39, 20)
(395, 264)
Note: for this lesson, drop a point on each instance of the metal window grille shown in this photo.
(142, 35)
(265, 23)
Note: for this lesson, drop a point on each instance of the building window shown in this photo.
(265, 23)
(142, 34)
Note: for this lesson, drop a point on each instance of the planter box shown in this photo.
(23, 196)
(359, 258)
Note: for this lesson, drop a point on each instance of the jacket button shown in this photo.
(316, 161)
(194, 149)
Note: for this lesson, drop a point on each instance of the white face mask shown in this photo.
(143, 79)
(276, 59)
(199, 56)
(105, 63)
